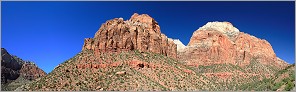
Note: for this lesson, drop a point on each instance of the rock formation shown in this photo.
(13, 67)
(221, 42)
(218, 57)
(140, 32)
(31, 72)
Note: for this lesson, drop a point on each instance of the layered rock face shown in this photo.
(140, 32)
(221, 42)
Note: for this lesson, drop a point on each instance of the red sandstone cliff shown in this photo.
(221, 42)
(140, 32)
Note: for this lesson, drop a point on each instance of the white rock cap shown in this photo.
(223, 27)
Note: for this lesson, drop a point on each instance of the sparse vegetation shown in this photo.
(163, 73)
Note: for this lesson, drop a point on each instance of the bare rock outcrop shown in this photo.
(221, 42)
(31, 71)
(140, 32)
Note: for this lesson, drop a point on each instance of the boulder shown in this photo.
(120, 73)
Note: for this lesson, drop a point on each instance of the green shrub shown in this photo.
(277, 86)
(290, 85)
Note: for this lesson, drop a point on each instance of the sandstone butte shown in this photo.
(213, 43)
(221, 42)
(140, 32)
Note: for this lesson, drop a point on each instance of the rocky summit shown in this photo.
(133, 55)
(221, 42)
(140, 32)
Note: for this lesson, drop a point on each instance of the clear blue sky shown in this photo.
(49, 33)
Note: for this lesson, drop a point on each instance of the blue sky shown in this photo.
(49, 33)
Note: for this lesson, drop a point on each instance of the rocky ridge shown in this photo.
(13, 69)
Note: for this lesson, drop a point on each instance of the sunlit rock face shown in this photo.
(140, 32)
(221, 42)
